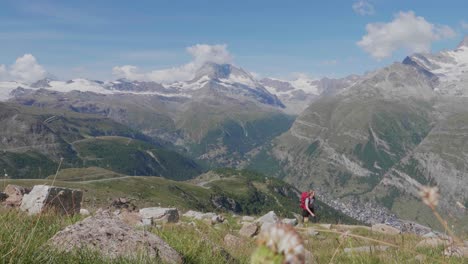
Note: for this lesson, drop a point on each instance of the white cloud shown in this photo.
(407, 31)
(464, 24)
(363, 8)
(201, 54)
(25, 69)
(213, 53)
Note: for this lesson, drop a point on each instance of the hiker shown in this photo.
(307, 205)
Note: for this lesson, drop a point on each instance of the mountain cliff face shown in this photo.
(218, 117)
(378, 141)
(297, 95)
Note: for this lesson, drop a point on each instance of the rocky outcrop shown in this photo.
(43, 197)
(267, 220)
(249, 230)
(123, 203)
(15, 194)
(159, 215)
(198, 215)
(113, 238)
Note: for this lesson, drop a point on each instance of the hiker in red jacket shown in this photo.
(307, 205)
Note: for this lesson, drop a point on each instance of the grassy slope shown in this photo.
(254, 194)
(135, 157)
(36, 139)
(23, 239)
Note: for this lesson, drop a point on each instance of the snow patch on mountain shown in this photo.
(450, 67)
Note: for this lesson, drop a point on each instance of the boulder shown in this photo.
(268, 220)
(15, 194)
(248, 218)
(385, 229)
(432, 242)
(249, 230)
(110, 236)
(217, 219)
(290, 221)
(153, 215)
(232, 242)
(270, 217)
(123, 204)
(199, 215)
(456, 251)
(43, 197)
(365, 249)
(311, 232)
(84, 212)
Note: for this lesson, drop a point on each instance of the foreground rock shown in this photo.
(159, 215)
(198, 215)
(44, 197)
(249, 230)
(123, 204)
(269, 217)
(15, 194)
(113, 238)
(290, 221)
(248, 218)
(456, 251)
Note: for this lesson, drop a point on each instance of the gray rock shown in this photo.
(365, 249)
(456, 251)
(385, 229)
(198, 215)
(311, 232)
(249, 230)
(113, 238)
(247, 218)
(43, 197)
(217, 219)
(15, 194)
(84, 212)
(289, 221)
(269, 217)
(153, 215)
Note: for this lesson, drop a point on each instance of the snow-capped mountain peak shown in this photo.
(450, 67)
(225, 73)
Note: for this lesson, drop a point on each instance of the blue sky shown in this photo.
(271, 38)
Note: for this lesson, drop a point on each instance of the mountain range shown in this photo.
(359, 140)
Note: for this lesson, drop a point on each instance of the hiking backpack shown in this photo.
(304, 196)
